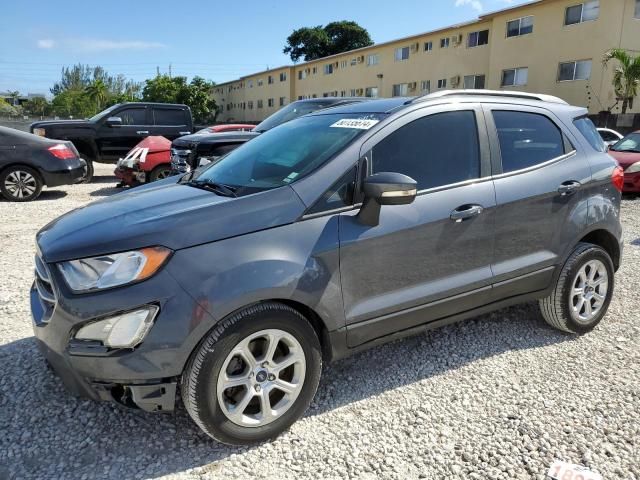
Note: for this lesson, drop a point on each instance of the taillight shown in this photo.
(61, 151)
(617, 178)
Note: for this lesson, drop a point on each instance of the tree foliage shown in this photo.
(196, 94)
(626, 76)
(311, 43)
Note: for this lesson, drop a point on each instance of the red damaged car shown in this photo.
(627, 153)
(150, 160)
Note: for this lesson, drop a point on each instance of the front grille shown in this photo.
(45, 289)
(181, 157)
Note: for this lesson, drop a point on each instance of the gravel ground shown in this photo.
(500, 396)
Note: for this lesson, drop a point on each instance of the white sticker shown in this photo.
(560, 470)
(360, 124)
(290, 177)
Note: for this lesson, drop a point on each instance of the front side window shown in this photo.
(520, 26)
(515, 76)
(527, 139)
(580, 70)
(474, 81)
(133, 116)
(287, 153)
(436, 150)
(402, 54)
(583, 12)
(163, 116)
(590, 133)
(478, 38)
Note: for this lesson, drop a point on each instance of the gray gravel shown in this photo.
(500, 396)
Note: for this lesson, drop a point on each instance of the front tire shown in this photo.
(160, 172)
(583, 291)
(20, 184)
(254, 375)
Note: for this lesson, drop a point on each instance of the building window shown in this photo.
(444, 42)
(282, 100)
(442, 83)
(250, 104)
(474, 81)
(260, 82)
(580, 70)
(400, 90)
(478, 38)
(343, 64)
(371, 92)
(250, 83)
(259, 103)
(270, 102)
(300, 75)
(269, 79)
(401, 54)
(374, 59)
(514, 76)
(328, 69)
(637, 11)
(315, 70)
(425, 86)
(520, 26)
(583, 12)
(428, 46)
(283, 76)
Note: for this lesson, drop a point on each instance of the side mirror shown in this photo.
(113, 122)
(385, 188)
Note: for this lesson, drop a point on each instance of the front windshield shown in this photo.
(287, 153)
(104, 113)
(288, 113)
(630, 143)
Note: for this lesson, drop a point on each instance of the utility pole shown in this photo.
(169, 70)
(157, 71)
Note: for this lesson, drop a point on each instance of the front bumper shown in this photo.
(145, 377)
(631, 183)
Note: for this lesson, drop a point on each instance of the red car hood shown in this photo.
(625, 159)
(155, 144)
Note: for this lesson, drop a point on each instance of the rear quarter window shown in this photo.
(590, 133)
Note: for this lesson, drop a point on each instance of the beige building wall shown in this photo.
(551, 42)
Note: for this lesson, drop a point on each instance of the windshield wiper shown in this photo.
(217, 188)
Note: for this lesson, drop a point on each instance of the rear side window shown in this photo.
(527, 139)
(590, 133)
(169, 117)
(435, 150)
(133, 116)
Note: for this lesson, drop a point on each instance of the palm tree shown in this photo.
(14, 97)
(97, 91)
(626, 77)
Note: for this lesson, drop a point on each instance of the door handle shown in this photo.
(569, 187)
(184, 133)
(143, 132)
(465, 212)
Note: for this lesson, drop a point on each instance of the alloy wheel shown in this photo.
(20, 184)
(589, 291)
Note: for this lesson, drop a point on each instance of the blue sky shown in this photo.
(216, 40)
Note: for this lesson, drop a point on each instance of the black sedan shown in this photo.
(29, 162)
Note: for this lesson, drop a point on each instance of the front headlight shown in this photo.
(634, 168)
(122, 331)
(108, 271)
(39, 131)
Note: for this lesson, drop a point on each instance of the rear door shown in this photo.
(170, 122)
(114, 142)
(541, 206)
(422, 262)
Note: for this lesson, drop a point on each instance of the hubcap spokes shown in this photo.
(20, 184)
(261, 378)
(589, 291)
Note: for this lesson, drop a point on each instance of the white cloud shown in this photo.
(46, 43)
(475, 4)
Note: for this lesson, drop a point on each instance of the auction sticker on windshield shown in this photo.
(359, 123)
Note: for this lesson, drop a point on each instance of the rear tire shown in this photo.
(19, 183)
(234, 384)
(583, 291)
(160, 172)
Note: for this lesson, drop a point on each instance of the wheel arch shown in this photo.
(607, 241)
(21, 164)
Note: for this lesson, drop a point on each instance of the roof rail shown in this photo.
(487, 93)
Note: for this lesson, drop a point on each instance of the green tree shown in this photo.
(317, 42)
(626, 76)
(98, 92)
(37, 106)
(73, 103)
(196, 94)
(14, 97)
(6, 109)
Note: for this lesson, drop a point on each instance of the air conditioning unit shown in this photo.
(415, 47)
(457, 39)
(413, 85)
(353, 61)
(455, 81)
(359, 92)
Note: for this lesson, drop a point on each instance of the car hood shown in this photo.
(164, 213)
(625, 159)
(61, 123)
(203, 138)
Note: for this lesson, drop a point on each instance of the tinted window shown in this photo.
(165, 116)
(590, 133)
(630, 143)
(339, 195)
(608, 136)
(133, 116)
(435, 150)
(527, 139)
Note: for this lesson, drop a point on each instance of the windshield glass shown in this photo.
(287, 153)
(288, 113)
(630, 143)
(104, 113)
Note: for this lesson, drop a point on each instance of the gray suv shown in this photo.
(324, 236)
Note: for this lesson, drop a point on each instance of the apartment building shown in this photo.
(548, 46)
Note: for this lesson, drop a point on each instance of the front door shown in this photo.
(431, 258)
(114, 142)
